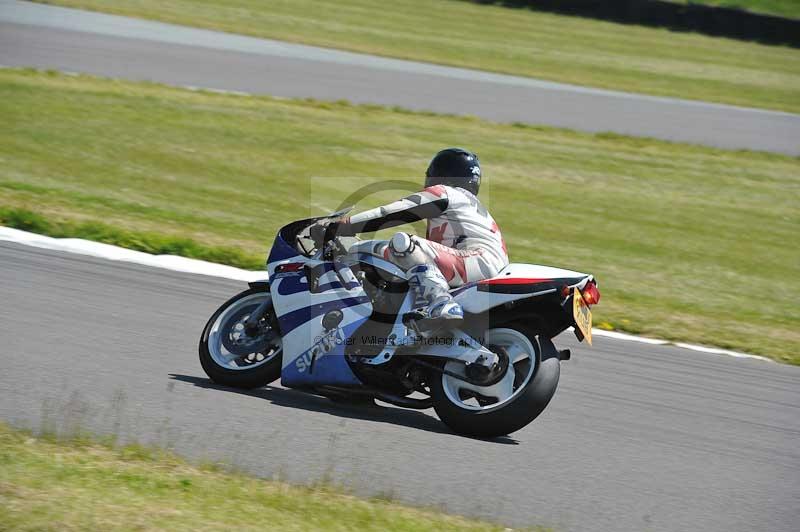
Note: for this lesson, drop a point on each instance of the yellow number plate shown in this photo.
(582, 314)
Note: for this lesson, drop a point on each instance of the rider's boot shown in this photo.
(434, 304)
(435, 307)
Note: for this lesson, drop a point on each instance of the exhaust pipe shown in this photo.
(396, 400)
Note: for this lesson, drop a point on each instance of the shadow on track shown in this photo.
(314, 403)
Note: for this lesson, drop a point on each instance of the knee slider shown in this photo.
(402, 244)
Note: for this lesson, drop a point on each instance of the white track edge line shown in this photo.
(201, 267)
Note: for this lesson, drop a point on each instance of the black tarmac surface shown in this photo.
(638, 437)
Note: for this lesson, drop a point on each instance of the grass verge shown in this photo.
(516, 41)
(148, 242)
(49, 484)
(689, 243)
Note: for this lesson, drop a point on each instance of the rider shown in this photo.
(463, 243)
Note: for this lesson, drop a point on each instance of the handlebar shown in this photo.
(326, 239)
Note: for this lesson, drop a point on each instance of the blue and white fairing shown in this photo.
(311, 354)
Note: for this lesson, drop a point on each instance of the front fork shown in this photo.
(251, 324)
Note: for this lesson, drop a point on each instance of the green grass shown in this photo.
(517, 41)
(781, 8)
(50, 484)
(689, 243)
(148, 242)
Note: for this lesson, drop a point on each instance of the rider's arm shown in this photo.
(428, 203)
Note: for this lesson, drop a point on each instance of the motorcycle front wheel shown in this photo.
(508, 405)
(233, 356)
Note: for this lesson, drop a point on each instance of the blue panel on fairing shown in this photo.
(292, 320)
(296, 282)
(281, 250)
(330, 368)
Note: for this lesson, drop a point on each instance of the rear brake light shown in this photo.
(590, 293)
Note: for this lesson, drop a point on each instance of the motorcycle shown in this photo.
(334, 318)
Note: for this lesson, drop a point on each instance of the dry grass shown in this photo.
(47, 484)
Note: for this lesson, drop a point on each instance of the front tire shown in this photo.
(509, 405)
(232, 357)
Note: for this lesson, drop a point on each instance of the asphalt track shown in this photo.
(66, 39)
(638, 437)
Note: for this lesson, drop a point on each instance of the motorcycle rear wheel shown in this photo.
(231, 357)
(505, 407)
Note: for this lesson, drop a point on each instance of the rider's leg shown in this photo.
(433, 269)
(432, 294)
(461, 266)
(428, 286)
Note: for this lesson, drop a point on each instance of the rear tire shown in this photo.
(516, 412)
(237, 374)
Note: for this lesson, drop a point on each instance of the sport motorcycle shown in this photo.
(334, 317)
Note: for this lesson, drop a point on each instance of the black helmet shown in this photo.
(454, 167)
